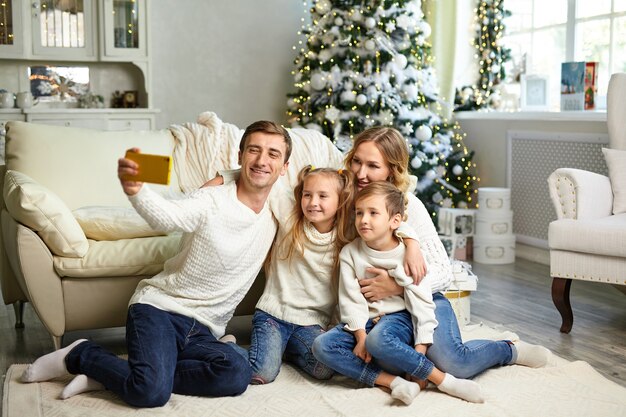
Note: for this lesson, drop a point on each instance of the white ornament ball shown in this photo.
(356, 16)
(361, 99)
(348, 96)
(437, 198)
(423, 133)
(323, 6)
(495, 69)
(370, 45)
(457, 170)
(338, 21)
(325, 55)
(425, 29)
(291, 104)
(401, 61)
(370, 23)
(318, 81)
(416, 162)
(462, 204)
(420, 40)
(431, 175)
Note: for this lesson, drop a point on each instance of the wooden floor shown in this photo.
(515, 297)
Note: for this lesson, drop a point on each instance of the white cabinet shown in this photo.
(123, 34)
(63, 29)
(11, 29)
(102, 119)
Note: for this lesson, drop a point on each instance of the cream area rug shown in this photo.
(562, 389)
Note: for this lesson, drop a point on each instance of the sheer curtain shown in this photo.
(452, 30)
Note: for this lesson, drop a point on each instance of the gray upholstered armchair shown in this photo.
(588, 239)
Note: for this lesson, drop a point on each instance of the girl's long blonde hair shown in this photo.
(295, 238)
(394, 149)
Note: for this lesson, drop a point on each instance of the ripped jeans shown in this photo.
(272, 338)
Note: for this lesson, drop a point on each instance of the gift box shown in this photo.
(464, 282)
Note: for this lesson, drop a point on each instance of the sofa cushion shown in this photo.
(616, 162)
(113, 223)
(33, 205)
(605, 236)
(125, 257)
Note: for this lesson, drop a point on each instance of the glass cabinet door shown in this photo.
(11, 29)
(63, 28)
(124, 28)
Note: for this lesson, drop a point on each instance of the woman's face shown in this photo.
(369, 165)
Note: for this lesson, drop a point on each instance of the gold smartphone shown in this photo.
(152, 168)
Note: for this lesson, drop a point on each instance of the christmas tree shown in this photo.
(368, 63)
(491, 57)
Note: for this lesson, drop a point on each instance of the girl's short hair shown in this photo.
(394, 149)
(395, 200)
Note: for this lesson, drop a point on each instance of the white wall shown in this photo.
(231, 57)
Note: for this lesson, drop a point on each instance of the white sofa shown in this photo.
(75, 282)
(588, 239)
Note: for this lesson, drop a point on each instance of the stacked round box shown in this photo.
(494, 241)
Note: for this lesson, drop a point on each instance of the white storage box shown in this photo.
(494, 222)
(464, 281)
(493, 198)
(494, 249)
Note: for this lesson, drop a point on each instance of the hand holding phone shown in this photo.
(150, 168)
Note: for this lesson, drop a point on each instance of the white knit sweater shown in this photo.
(439, 271)
(299, 290)
(221, 252)
(355, 310)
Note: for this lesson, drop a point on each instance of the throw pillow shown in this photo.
(35, 206)
(616, 162)
(113, 223)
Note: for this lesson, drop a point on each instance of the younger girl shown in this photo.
(348, 348)
(300, 290)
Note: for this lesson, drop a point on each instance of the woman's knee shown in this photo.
(321, 347)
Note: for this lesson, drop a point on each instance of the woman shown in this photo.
(381, 154)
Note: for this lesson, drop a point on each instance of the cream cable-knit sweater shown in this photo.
(221, 252)
(299, 290)
(355, 310)
(439, 269)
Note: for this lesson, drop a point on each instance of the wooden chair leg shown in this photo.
(560, 297)
(18, 308)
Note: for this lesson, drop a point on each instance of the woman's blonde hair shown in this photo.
(395, 200)
(294, 239)
(394, 149)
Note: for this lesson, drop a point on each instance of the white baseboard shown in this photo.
(532, 253)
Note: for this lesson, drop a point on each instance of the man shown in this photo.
(176, 317)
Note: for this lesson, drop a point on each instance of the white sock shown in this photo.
(534, 356)
(49, 366)
(462, 388)
(81, 383)
(404, 390)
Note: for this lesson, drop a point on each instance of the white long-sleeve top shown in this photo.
(439, 271)
(299, 290)
(221, 252)
(355, 310)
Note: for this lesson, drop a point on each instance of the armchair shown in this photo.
(588, 240)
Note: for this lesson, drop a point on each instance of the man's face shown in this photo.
(263, 160)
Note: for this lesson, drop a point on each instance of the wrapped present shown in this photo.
(464, 282)
(455, 221)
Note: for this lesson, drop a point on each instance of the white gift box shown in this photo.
(464, 281)
(494, 198)
(455, 221)
(492, 223)
(499, 249)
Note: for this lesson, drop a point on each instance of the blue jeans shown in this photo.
(463, 360)
(390, 342)
(167, 353)
(272, 337)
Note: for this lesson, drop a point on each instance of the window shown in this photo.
(543, 34)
